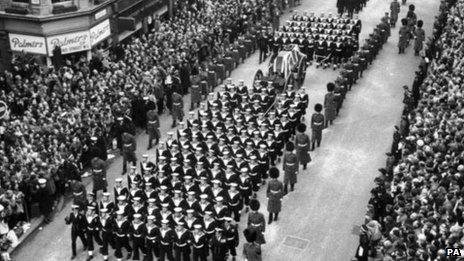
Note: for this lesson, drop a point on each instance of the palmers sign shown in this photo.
(69, 43)
(27, 43)
(100, 32)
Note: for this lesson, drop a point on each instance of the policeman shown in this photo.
(153, 125)
(128, 149)
(78, 227)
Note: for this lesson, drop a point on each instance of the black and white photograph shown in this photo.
(232, 130)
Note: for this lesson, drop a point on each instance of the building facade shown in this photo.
(36, 27)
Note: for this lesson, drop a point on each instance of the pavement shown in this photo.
(320, 219)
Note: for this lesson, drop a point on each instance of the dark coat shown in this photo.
(302, 145)
(290, 167)
(45, 201)
(274, 195)
(99, 174)
(330, 106)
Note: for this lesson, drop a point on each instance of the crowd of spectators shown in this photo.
(54, 112)
(416, 209)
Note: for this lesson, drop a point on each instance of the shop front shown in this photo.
(75, 34)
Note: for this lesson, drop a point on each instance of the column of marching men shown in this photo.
(187, 201)
(328, 40)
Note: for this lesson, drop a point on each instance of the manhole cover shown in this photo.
(296, 242)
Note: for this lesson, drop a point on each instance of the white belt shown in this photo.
(176, 104)
(302, 145)
(275, 191)
(200, 246)
(181, 245)
(127, 145)
(97, 170)
(77, 193)
(318, 123)
(289, 164)
(234, 204)
(152, 122)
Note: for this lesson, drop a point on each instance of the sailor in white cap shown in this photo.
(121, 230)
(133, 177)
(204, 204)
(166, 240)
(105, 225)
(199, 242)
(181, 241)
(220, 210)
(146, 165)
(137, 233)
(234, 202)
(178, 216)
(190, 219)
(119, 190)
(152, 207)
(210, 223)
(170, 140)
(162, 151)
(106, 203)
(151, 238)
(217, 190)
(78, 226)
(254, 173)
(163, 195)
(92, 230)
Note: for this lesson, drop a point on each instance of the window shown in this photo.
(59, 1)
(21, 1)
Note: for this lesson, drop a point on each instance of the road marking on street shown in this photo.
(296, 242)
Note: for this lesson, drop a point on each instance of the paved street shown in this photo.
(331, 196)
